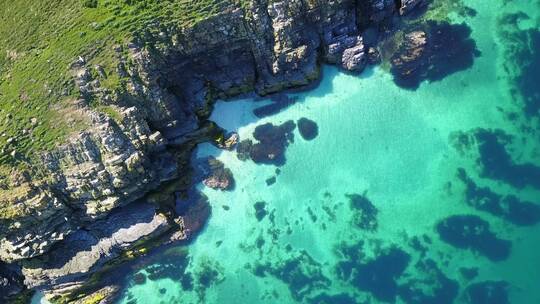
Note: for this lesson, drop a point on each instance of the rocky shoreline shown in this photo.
(125, 182)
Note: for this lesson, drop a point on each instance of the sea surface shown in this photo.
(406, 195)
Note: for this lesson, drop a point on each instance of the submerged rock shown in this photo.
(432, 51)
(260, 210)
(219, 177)
(308, 128)
(271, 145)
(472, 232)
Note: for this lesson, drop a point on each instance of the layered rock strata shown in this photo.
(85, 203)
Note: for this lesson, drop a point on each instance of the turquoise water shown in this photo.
(397, 149)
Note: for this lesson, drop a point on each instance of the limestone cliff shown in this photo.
(53, 236)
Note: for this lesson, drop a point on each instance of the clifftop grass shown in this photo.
(40, 39)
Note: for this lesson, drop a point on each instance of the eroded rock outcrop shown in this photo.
(78, 213)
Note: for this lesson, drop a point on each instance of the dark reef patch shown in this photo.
(527, 81)
(299, 271)
(508, 207)
(498, 164)
(215, 175)
(364, 212)
(431, 287)
(308, 128)
(431, 51)
(280, 102)
(472, 232)
(492, 292)
(260, 210)
(378, 276)
(208, 273)
(523, 59)
(271, 146)
(194, 208)
(270, 181)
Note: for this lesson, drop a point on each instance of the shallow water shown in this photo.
(400, 150)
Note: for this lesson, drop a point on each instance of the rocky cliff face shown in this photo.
(89, 204)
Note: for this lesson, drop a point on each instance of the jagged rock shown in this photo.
(230, 142)
(354, 59)
(267, 46)
(83, 252)
(214, 174)
(11, 281)
(409, 5)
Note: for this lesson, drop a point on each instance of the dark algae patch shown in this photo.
(299, 271)
(509, 207)
(492, 292)
(432, 286)
(472, 232)
(364, 212)
(498, 164)
(522, 55)
(308, 128)
(431, 51)
(378, 275)
(271, 145)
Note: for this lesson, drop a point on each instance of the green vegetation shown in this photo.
(39, 41)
